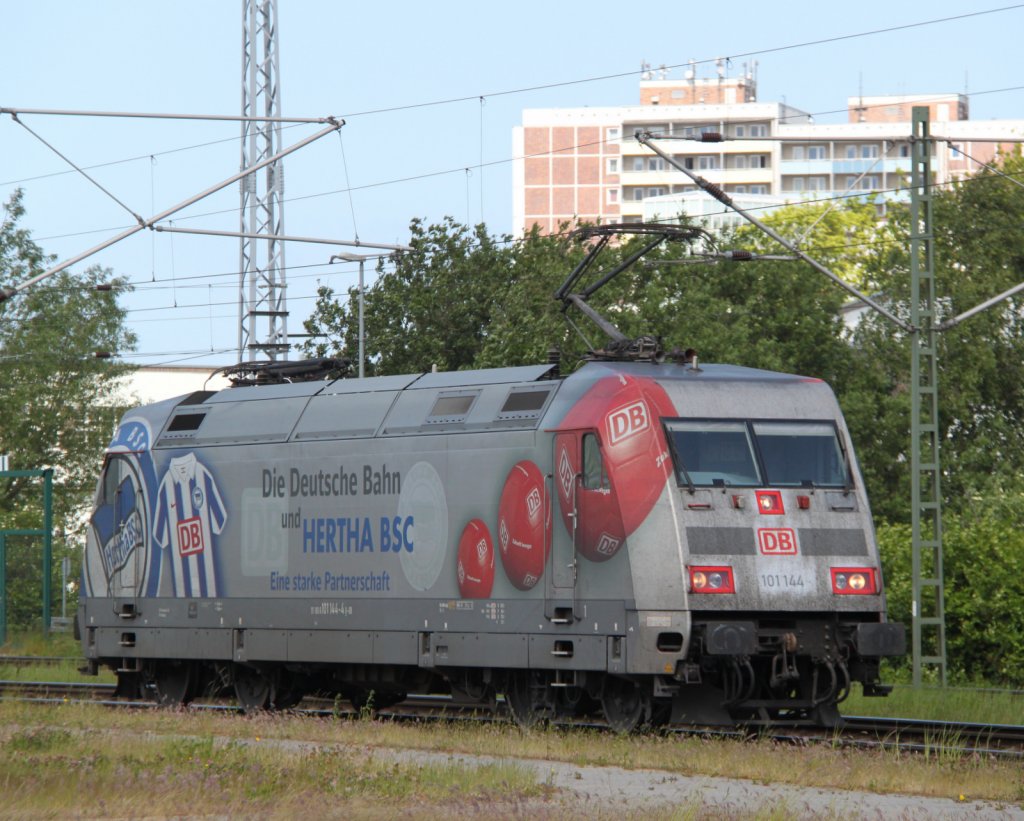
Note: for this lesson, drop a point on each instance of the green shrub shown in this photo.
(983, 558)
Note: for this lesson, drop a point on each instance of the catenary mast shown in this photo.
(262, 304)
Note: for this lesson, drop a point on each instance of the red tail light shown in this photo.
(769, 502)
(712, 580)
(854, 581)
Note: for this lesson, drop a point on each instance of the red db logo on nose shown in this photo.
(777, 541)
(628, 421)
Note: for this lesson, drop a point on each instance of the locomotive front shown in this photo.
(751, 545)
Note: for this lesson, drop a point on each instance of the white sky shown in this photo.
(346, 59)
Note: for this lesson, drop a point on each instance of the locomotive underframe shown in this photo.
(703, 668)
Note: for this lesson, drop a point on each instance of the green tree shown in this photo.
(978, 230)
(54, 392)
(526, 320)
(432, 308)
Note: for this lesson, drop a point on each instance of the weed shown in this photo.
(38, 740)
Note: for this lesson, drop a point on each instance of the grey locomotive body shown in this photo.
(660, 541)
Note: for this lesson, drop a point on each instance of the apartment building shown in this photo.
(585, 163)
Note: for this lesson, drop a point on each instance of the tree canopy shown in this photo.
(56, 396)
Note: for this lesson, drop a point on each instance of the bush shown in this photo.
(983, 557)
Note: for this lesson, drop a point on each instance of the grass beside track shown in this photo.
(963, 704)
(75, 758)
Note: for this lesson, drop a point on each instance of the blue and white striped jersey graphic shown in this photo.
(189, 511)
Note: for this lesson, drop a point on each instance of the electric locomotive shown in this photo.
(650, 538)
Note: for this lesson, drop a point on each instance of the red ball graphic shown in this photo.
(475, 568)
(626, 412)
(522, 514)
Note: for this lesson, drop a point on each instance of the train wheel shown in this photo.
(524, 695)
(827, 715)
(253, 689)
(626, 705)
(287, 697)
(576, 702)
(174, 683)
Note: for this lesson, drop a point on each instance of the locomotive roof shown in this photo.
(496, 399)
(488, 376)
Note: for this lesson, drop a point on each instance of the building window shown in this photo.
(638, 163)
(816, 152)
(758, 131)
(851, 152)
(739, 162)
(707, 163)
(613, 165)
(612, 196)
(741, 130)
(866, 183)
(904, 150)
(655, 164)
(868, 152)
(660, 191)
(817, 183)
(612, 133)
(759, 161)
(797, 184)
(798, 152)
(657, 129)
(638, 194)
(759, 189)
(739, 189)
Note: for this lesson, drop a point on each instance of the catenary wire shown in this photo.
(595, 78)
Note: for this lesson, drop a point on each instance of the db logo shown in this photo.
(190, 537)
(533, 502)
(607, 545)
(503, 536)
(780, 541)
(628, 421)
(565, 473)
(481, 552)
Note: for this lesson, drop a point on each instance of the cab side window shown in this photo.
(594, 475)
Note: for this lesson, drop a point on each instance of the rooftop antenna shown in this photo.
(262, 289)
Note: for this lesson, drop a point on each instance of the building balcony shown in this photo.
(809, 168)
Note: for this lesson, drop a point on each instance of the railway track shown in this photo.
(926, 737)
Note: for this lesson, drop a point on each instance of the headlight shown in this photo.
(854, 581)
(712, 580)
